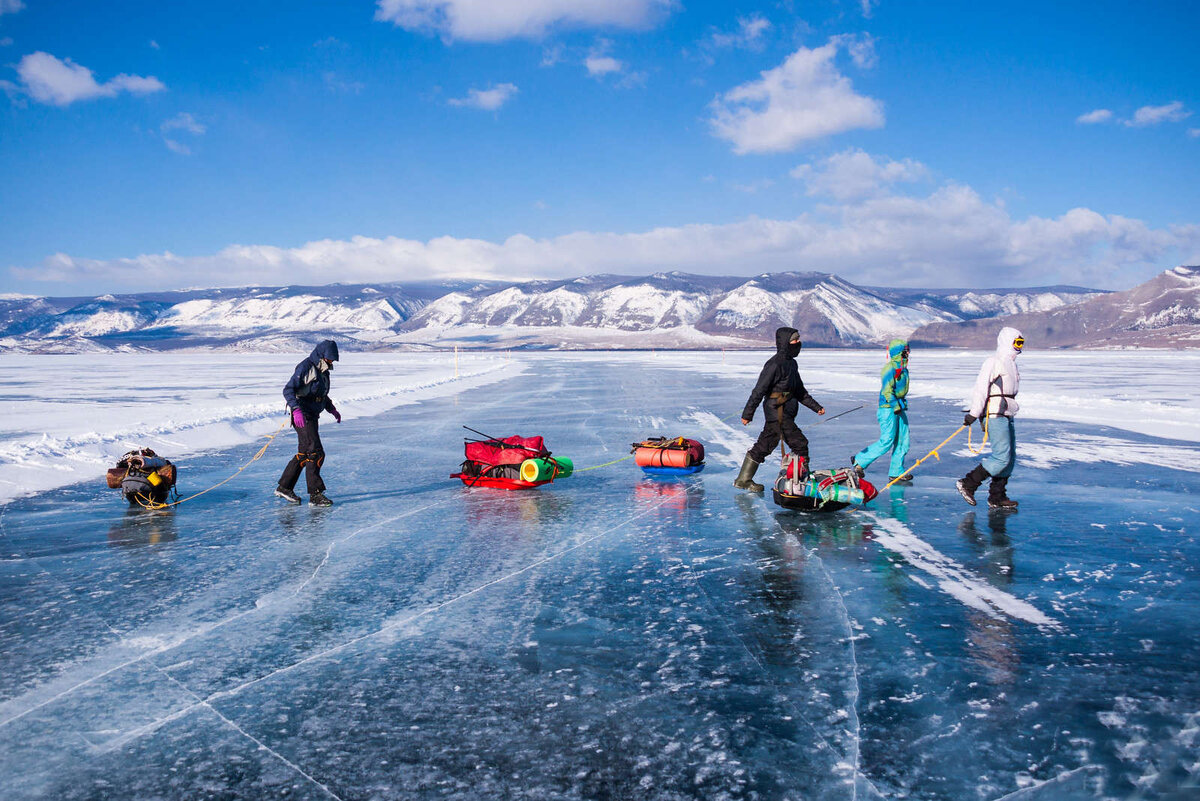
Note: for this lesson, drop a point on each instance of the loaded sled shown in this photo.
(820, 490)
(144, 478)
(511, 463)
(669, 456)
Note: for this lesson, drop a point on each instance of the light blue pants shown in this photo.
(893, 436)
(1003, 435)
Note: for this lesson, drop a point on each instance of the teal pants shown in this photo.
(893, 436)
(1003, 436)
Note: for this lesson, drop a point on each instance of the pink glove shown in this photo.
(336, 414)
(298, 418)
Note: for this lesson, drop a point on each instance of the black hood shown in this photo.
(783, 338)
(326, 349)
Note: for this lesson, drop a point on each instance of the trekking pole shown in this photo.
(839, 414)
(933, 453)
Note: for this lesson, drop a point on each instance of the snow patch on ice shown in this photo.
(952, 578)
(1064, 448)
(723, 435)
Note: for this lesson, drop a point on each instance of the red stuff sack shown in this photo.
(510, 450)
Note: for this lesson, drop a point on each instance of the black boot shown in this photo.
(970, 482)
(997, 498)
(745, 479)
(319, 499)
(287, 494)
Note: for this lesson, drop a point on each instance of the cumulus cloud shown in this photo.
(10, 6)
(1094, 117)
(56, 82)
(804, 99)
(600, 65)
(951, 237)
(486, 99)
(1153, 115)
(854, 174)
(748, 34)
(1194, 132)
(497, 20)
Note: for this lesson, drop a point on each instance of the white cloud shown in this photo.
(952, 237)
(486, 99)
(183, 121)
(154, 45)
(861, 49)
(868, 7)
(496, 20)
(10, 6)
(1194, 132)
(1094, 117)
(6, 41)
(60, 83)
(854, 174)
(749, 33)
(1153, 115)
(599, 66)
(803, 99)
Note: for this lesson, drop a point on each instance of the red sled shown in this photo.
(496, 463)
(497, 482)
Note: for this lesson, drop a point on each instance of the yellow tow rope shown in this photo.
(153, 505)
(933, 453)
(606, 464)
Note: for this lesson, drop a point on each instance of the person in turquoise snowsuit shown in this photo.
(892, 415)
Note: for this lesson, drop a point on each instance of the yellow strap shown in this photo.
(606, 464)
(933, 453)
(983, 441)
(153, 505)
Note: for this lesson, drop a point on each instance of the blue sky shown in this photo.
(150, 145)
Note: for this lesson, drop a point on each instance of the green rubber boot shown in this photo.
(745, 479)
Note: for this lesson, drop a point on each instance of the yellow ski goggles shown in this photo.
(1019, 343)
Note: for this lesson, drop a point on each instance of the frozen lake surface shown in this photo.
(607, 636)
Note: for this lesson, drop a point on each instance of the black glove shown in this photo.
(968, 419)
(898, 410)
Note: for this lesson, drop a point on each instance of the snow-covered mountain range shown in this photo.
(1164, 312)
(665, 310)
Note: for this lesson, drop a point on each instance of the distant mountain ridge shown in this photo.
(1164, 312)
(664, 310)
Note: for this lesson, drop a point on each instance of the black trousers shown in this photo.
(309, 457)
(781, 422)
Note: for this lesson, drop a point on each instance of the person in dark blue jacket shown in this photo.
(781, 392)
(307, 394)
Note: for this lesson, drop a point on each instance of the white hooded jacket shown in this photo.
(998, 379)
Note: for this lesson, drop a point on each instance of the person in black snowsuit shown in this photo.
(781, 392)
(307, 395)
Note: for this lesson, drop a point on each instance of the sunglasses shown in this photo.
(1019, 343)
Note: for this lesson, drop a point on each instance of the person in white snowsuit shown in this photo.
(994, 401)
